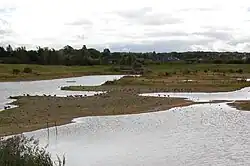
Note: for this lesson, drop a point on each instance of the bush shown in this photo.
(239, 71)
(167, 74)
(110, 82)
(186, 71)
(16, 71)
(19, 150)
(27, 70)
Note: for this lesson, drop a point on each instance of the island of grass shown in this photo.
(241, 105)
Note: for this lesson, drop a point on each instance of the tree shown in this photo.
(9, 49)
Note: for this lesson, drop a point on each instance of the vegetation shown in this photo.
(13, 72)
(84, 56)
(241, 105)
(22, 151)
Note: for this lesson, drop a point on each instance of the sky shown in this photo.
(131, 25)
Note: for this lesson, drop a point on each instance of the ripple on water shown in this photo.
(203, 134)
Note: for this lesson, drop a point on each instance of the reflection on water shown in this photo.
(49, 87)
(204, 134)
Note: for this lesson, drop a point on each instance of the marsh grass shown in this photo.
(21, 151)
(15, 72)
(241, 105)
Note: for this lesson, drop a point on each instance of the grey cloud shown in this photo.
(7, 10)
(80, 22)
(159, 20)
(81, 37)
(4, 32)
(3, 22)
(159, 46)
(219, 35)
(239, 41)
(5, 29)
(163, 34)
(205, 9)
(146, 16)
(134, 13)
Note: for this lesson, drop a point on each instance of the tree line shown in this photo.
(90, 56)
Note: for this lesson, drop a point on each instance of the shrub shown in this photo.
(217, 71)
(16, 71)
(167, 74)
(186, 71)
(110, 82)
(19, 150)
(27, 70)
(239, 71)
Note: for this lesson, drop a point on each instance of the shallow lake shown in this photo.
(201, 134)
(49, 87)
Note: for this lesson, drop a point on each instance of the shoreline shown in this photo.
(34, 113)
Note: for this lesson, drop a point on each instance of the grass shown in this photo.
(241, 105)
(176, 67)
(201, 82)
(40, 72)
(20, 151)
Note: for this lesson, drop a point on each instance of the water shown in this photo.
(49, 87)
(204, 134)
(242, 94)
(201, 134)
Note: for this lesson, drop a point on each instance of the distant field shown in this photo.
(48, 72)
(175, 67)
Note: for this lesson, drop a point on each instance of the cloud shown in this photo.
(146, 16)
(202, 9)
(159, 46)
(80, 22)
(134, 13)
(165, 33)
(159, 19)
(7, 10)
(218, 35)
(127, 25)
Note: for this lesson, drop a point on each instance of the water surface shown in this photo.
(203, 134)
(50, 87)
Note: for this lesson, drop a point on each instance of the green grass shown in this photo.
(175, 83)
(175, 67)
(49, 72)
(241, 105)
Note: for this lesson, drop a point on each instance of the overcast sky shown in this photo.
(131, 25)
